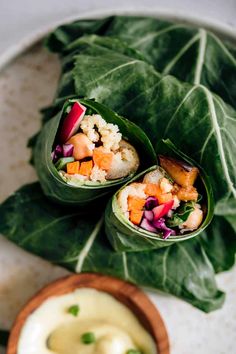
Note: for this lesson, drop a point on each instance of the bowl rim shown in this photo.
(128, 294)
(16, 49)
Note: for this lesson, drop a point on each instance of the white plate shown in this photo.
(27, 84)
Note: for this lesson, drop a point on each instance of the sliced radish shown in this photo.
(162, 209)
(71, 122)
(146, 225)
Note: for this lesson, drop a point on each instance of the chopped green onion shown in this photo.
(74, 310)
(88, 338)
(62, 162)
(133, 351)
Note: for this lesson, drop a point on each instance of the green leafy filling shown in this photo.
(181, 214)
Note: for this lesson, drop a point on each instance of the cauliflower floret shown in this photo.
(98, 175)
(153, 176)
(135, 190)
(176, 202)
(124, 162)
(89, 122)
(95, 127)
(110, 137)
(165, 185)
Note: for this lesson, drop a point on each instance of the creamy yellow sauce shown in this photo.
(53, 329)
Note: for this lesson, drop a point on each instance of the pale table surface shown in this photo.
(19, 18)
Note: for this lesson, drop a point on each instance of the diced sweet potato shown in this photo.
(86, 168)
(152, 190)
(72, 167)
(135, 203)
(187, 193)
(183, 174)
(164, 198)
(135, 216)
(102, 159)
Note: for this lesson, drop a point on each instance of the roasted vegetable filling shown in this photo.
(166, 201)
(90, 149)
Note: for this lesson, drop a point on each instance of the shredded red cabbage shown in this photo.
(67, 150)
(148, 214)
(56, 153)
(151, 203)
(146, 225)
(160, 225)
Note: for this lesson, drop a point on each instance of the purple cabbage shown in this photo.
(148, 214)
(146, 225)
(58, 150)
(160, 225)
(67, 150)
(56, 153)
(54, 156)
(151, 203)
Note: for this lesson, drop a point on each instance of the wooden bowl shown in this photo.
(123, 291)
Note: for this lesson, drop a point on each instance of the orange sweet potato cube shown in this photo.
(102, 159)
(183, 174)
(164, 198)
(152, 190)
(86, 168)
(135, 216)
(73, 167)
(135, 203)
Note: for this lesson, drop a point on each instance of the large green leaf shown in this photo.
(52, 183)
(196, 120)
(219, 242)
(78, 243)
(191, 54)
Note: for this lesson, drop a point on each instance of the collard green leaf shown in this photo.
(219, 242)
(124, 236)
(65, 34)
(86, 193)
(78, 243)
(191, 54)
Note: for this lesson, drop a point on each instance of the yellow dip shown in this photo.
(52, 328)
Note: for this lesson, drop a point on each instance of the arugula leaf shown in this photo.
(181, 214)
(60, 235)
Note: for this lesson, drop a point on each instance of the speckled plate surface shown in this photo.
(27, 84)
